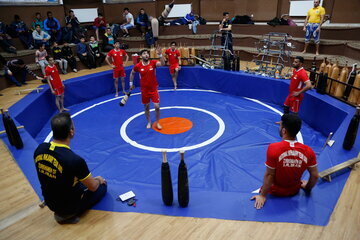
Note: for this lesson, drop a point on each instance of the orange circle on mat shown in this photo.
(173, 125)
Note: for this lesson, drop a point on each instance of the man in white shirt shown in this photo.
(129, 22)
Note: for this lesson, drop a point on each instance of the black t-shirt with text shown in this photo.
(59, 171)
(225, 24)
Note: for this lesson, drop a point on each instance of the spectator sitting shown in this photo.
(94, 52)
(59, 58)
(69, 56)
(142, 22)
(52, 26)
(74, 23)
(82, 53)
(40, 58)
(129, 22)
(40, 37)
(99, 23)
(108, 40)
(188, 19)
(18, 66)
(37, 21)
(67, 185)
(21, 31)
(5, 40)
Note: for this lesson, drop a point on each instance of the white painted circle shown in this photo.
(298, 136)
(184, 148)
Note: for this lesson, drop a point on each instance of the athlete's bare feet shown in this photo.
(116, 94)
(158, 126)
(65, 109)
(277, 122)
(303, 52)
(317, 53)
(148, 125)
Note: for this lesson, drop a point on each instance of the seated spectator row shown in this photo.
(49, 30)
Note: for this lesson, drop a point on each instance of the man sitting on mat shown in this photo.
(286, 162)
(66, 182)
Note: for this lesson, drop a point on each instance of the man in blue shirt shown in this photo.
(52, 26)
(82, 53)
(21, 31)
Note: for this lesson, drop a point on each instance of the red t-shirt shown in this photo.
(298, 78)
(173, 56)
(100, 22)
(117, 57)
(53, 73)
(147, 73)
(290, 159)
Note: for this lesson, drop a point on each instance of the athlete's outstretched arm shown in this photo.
(132, 74)
(162, 59)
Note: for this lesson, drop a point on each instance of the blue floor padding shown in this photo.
(222, 174)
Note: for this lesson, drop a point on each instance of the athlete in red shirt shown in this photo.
(296, 89)
(148, 83)
(116, 55)
(56, 85)
(173, 56)
(286, 162)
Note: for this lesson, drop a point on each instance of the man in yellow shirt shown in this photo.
(312, 25)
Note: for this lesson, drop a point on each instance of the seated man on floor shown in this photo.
(66, 182)
(286, 161)
(15, 66)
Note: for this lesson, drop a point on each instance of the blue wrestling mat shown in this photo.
(232, 124)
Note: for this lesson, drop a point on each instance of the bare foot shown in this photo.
(148, 125)
(317, 54)
(175, 87)
(277, 122)
(116, 94)
(65, 109)
(158, 126)
(303, 52)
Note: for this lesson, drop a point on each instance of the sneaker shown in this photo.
(166, 24)
(75, 70)
(64, 72)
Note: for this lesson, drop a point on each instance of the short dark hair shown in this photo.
(17, 17)
(48, 12)
(37, 25)
(173, 42)
(71, 11)
(48, 58)
(225, 13)
(61, 124)
(37, 13)
(144, 50)
(301, 59)
(100, 14)
(292, 123)
(126, 9)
